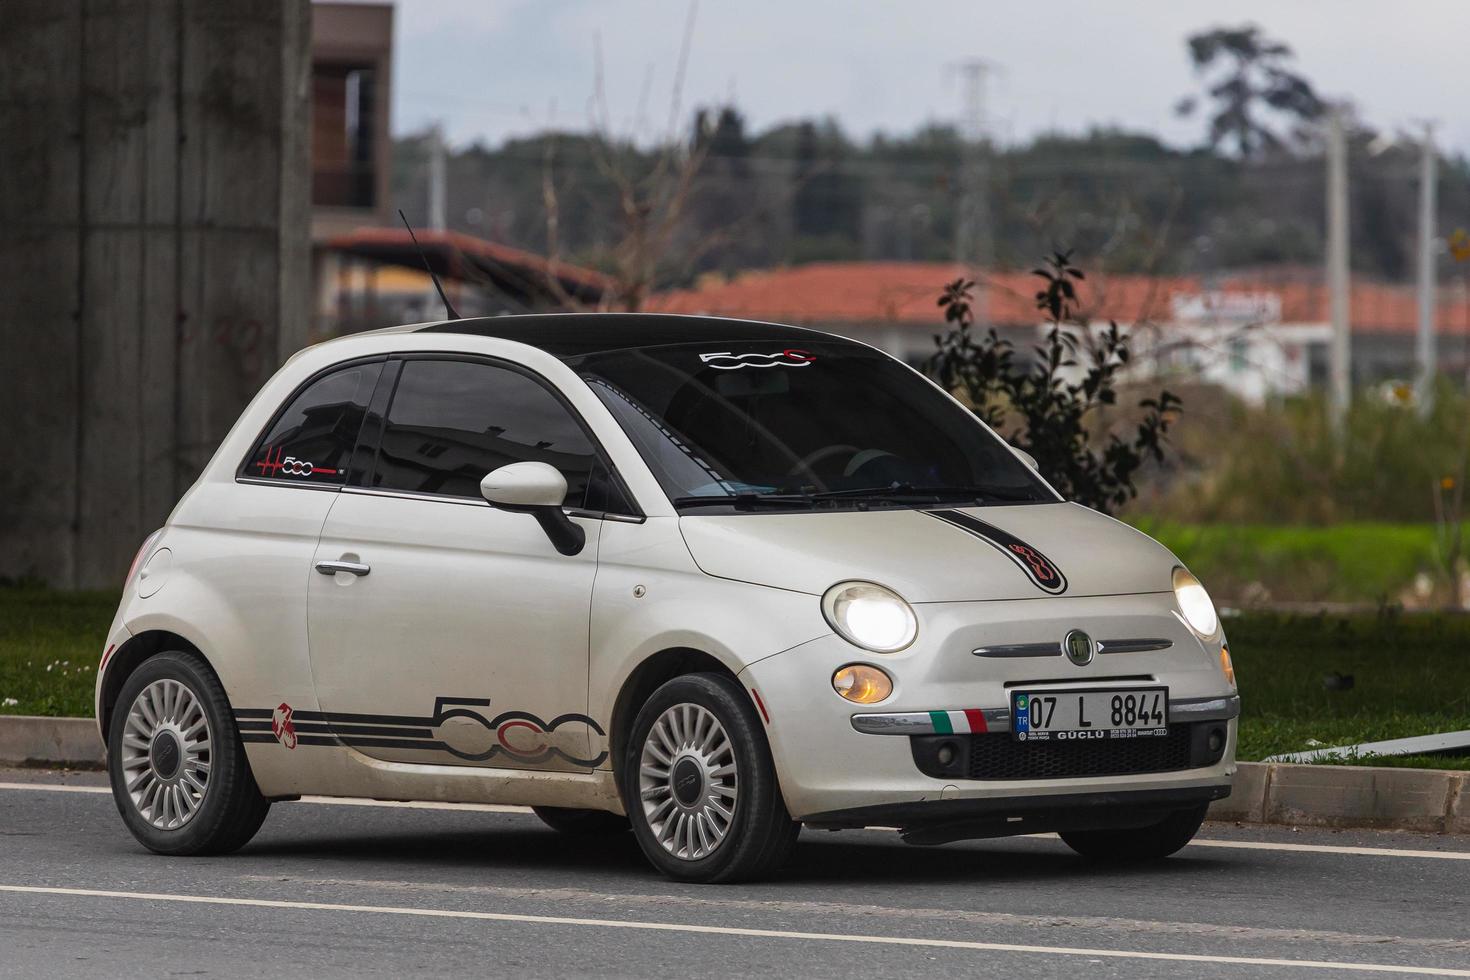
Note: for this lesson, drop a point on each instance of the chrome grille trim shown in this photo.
(1052, 649)
(1132, 646)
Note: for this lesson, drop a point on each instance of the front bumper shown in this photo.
(846, 764)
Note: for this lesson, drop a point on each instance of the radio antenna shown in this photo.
(453, 313)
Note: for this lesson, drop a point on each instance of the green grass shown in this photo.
(1411, 672)
(50, 643)
(1357, 562)
(1411, 676)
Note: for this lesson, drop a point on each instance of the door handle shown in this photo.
(350, 567)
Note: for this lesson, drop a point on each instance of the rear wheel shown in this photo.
(178, 769)
(1152, 843)
(582, 823)
(700, 787)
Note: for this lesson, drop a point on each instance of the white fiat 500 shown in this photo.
(707, 579)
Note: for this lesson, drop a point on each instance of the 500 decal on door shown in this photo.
(519, 735)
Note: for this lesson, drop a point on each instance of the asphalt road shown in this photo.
(367, 889)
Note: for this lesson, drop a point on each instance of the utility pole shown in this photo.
(972, 226)
(1424, 351)
(1338, 284)
(436, 178)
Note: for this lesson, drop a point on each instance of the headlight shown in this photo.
(870, 616)
(1195, 603)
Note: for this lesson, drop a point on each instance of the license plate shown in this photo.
(1130, 712)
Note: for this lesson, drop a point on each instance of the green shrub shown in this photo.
(1280, 464)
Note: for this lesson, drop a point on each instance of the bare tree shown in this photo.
(652, 194)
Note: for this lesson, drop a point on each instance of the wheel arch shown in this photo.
(651, 674)
(129, 657)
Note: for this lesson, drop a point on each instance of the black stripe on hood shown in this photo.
(1041, 570)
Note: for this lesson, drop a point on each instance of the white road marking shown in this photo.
(816, 911)
(1399, 852)
(1244, 845)
(711, 930)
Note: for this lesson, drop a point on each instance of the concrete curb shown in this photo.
(1425, 800)
(29, 740)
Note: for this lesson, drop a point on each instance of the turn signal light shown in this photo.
(1225, 664)
(861, 683)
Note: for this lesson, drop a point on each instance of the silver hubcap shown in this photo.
(687, 781)
(166, 754)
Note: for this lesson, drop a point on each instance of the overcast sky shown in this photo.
(491, 69)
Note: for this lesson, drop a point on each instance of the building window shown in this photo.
(343, 142)
(1237, 355)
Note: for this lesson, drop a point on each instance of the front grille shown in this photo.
(996, 755)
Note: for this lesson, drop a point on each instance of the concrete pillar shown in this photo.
(154, 258)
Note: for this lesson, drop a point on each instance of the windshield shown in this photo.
(819, 424)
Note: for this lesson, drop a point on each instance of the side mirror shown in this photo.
(1026, 457)
(536, 489)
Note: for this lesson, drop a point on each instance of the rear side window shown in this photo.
(452, 422)
(312, 439)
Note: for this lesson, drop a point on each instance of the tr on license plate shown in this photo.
(1103, 713)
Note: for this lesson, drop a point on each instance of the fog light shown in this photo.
(945, 755)
(1226, 666)
(1217, 741)
(862, 683)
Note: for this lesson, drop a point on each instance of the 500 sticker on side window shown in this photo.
(275, 464)
(727, 361)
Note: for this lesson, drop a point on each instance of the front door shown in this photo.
(457, 634)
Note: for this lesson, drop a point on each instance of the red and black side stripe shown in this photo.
(1041, 570)
(420, 732)
(321, 728)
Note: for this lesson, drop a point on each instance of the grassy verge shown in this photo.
(1411, 672)
(1357, 563)
(50, 643)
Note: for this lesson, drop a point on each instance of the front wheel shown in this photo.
(700, 787)
(178, 769)
(1152, 843)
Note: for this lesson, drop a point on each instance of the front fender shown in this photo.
(736, 623)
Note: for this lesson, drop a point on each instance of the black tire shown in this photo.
(1139, 844)
(582, 823)
(231, 808)
(760, 833)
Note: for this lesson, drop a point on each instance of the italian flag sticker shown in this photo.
(957, 722)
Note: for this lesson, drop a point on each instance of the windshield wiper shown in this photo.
(746, 500)
(897, 489)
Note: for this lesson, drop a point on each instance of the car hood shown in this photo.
(950, 555)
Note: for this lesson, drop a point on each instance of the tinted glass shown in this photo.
(824, 418)
(452, 422)
(312, 440)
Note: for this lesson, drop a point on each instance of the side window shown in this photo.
(451, 422)
(312, 439)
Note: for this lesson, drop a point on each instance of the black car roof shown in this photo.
(567, 335)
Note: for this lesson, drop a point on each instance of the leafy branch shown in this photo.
(1056, 419)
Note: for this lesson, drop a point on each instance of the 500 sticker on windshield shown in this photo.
(275, 464)
(728, 361)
